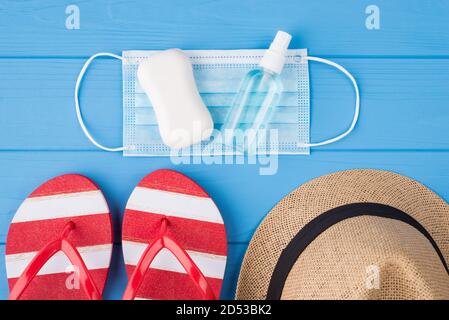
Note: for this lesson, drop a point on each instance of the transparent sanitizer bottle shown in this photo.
(258, 96)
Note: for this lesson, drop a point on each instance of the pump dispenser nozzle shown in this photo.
(274, 58)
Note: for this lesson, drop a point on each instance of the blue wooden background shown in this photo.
(402, 69)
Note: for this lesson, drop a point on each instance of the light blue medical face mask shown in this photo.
(218, 74)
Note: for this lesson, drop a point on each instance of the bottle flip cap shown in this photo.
(274, 58)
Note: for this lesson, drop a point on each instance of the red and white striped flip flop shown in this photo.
(59, 243)
(174, 240)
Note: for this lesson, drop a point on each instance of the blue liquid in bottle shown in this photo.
(257, 98)
(253, 105)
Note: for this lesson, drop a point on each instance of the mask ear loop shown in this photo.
(77, 105)
(357, 103)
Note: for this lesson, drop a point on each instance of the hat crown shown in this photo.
(368, 257)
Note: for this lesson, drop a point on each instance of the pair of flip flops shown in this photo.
(60, 241)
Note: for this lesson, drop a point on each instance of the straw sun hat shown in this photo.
(357, 234)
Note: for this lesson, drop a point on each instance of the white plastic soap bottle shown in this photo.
(258, 95)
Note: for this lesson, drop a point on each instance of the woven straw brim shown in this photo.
(334, 266)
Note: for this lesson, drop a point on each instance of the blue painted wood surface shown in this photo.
(402, 69)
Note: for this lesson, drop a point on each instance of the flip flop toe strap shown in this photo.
(45, 254)
(165, 241)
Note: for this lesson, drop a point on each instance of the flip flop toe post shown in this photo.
(59, 243)
(174, 240)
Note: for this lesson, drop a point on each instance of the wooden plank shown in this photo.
(403, 104)
(117, 278)
(38, 28)
(243, 196)
(3, 279)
